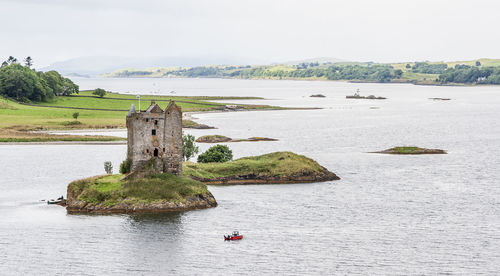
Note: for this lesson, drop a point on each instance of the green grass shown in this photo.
(112, 189)
(15, 115)
(33, 117)
(407, 150)
(109, 102)
(109, 183)
(272, 164)
(5, 105)
(419, 76)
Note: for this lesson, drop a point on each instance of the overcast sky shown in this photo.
(258, 30)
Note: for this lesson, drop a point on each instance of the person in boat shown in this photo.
(61, 198)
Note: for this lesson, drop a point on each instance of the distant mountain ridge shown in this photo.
(320, 60)
(95, 66)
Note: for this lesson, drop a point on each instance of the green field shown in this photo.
(17, 118)
(45, 116)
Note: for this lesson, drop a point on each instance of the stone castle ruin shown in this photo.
(154, 143)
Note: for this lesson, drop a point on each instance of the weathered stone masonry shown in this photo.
(155, 139)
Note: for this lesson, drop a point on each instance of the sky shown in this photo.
(260, 31)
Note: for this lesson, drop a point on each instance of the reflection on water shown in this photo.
(405, 215)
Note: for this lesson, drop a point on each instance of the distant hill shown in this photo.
(94, 66)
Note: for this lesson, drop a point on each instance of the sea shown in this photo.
(388, 215)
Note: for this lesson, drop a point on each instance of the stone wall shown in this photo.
(173, 139)
(156, 134)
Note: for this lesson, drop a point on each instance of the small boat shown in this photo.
(52, 201)
(55, 201)
(235, 236)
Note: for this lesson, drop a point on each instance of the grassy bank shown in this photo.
(272, 165)
(111, 190)
(94, 112)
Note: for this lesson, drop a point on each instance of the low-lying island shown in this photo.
(271, 168)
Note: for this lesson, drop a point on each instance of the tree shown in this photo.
(5, 63)
(398, 73)
(28, 61)
(218, 153)
(60, 85)
(69, 87)
(23, 84)
(189, 148)
(75, 115)
(408, 66)
(11, 60)
(99, 92)
(478, 63)
(108, 167)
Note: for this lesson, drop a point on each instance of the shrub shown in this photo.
(108, 167)
(75, 115)
(125, 166)
(99, 92)
(218, 153)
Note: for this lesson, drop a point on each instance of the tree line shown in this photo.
(375, 73)
(22, 83)
(470, 75)
(369, 72)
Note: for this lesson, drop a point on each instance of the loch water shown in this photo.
(388, 215)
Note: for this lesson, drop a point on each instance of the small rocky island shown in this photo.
(411, 150)
(317, 96)
(222, 139)
(153, 193)
(271, 168)
(440, 99)
(370, 97)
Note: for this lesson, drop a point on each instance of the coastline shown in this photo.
(187, 116)
(395, 81)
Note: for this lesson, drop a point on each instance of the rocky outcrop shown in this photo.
(317, 96)
(370, 97)
(440, 99)
(131, 206)
(213, 139)
(411, 151)
(307, 177)
(223, 139)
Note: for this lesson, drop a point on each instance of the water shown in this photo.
(389, 215)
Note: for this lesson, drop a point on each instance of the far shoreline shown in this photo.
(397, 81)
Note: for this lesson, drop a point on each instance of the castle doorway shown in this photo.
(155, 153)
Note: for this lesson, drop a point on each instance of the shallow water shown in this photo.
(430, 214)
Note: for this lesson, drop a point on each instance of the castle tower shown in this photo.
(155, 139)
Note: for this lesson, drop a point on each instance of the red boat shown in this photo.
(235, 236)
